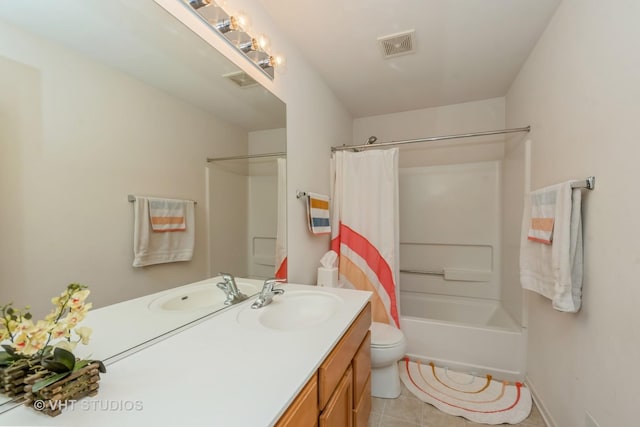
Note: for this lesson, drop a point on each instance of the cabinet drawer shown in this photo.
(361, 368)
(303, 412)
(339, 409)
(363, 408)
(335, 365)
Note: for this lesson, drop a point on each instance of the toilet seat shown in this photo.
(385, 336)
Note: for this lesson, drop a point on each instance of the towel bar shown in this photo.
(589, 183)
(131, 198)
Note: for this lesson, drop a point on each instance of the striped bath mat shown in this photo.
(478, 399)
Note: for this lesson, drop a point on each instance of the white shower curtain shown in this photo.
(365, 231)
(281, 231)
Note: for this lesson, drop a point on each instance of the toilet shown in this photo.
(387, 347)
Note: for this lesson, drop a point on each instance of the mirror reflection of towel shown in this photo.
(151, 247)
(167, 214)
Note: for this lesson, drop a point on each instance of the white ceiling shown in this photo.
(466, 49)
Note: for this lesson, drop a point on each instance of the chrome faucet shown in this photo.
(230, 289)
(267, 293)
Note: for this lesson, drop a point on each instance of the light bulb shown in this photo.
(279, 60)
(243, 21)
(264, 43)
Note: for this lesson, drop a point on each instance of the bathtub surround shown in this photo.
(465, 334)
(365, 226)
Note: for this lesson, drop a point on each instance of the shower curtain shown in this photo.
(365, 231)
(281, 231)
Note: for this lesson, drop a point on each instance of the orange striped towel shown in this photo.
(543, 210)
(167, 214)
(318, 213)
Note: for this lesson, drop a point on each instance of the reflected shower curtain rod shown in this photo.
(248, 156)
(430, 139)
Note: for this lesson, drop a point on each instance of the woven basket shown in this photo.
(53, 398)
(12, 378)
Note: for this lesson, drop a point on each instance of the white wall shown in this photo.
(82, 138)
(580, 92)
(316, 120)
(451, 119)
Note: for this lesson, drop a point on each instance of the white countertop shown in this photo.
(142, 324)
(216, 373)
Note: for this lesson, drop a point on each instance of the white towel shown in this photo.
(167, 215)
(151, 247)
(555, 270)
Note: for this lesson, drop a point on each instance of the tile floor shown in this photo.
(408, 411)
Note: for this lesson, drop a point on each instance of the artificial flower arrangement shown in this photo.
(46, 347)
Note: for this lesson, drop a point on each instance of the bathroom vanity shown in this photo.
(339, 395)
(303, 360)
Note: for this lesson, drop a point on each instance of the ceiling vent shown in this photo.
(397, 44)
(241, 78)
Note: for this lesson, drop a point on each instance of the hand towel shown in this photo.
(167, 214)
(318, 213)
(543, 205)
(555, 270)
(157, 248)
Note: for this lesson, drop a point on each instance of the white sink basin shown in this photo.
(197, 297)
(293, 310)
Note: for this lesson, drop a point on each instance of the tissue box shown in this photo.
(328, 277)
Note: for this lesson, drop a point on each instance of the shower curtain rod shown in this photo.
(249, 156)
(430, 139)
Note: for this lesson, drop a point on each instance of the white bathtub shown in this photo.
(464, 334)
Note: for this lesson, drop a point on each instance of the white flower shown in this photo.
(84, 332)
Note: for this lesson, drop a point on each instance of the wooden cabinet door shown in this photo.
(303, 412)
(362, 408)
(335, 365)
(339, 410)
(361, 368)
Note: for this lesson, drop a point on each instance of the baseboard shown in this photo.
(544, 412)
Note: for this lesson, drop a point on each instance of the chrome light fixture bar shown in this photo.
(231, 29)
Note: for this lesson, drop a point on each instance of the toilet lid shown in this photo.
(383, 335)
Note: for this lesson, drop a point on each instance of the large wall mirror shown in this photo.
(103, 99)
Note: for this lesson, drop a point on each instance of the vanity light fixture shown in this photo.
(235, 30)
